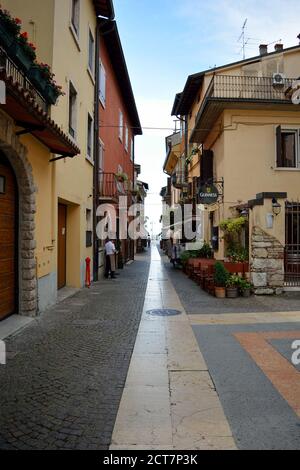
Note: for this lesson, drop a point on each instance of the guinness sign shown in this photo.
(208, 194)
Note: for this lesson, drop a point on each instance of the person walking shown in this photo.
(110, 258)
(149, 241)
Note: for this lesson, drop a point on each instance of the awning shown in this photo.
(32, 118)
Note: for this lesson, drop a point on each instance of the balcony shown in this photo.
(239, 92)
(30, 111)
(110, 189)
(8, 67)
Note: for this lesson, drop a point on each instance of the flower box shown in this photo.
(6, 37)
(20, 56)
(35, 75)
(51, 94)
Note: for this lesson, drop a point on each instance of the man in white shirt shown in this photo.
(110, 265)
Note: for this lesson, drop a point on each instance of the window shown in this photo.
(287, 148)
(90, 138)
(72, 110)
(102, 84)
(89, 228)
(126, 138)
(75, 15)
(131, 150)
(121, 121)
(91, 51)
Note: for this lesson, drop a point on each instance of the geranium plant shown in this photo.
(28, 47)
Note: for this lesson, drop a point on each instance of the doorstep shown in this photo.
(12, 325)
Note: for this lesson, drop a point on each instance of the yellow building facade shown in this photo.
(243, 122)
(61, 176)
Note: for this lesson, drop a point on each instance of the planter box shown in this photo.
(20, 57)
(6, 37)
(50, 94)
(36, 77)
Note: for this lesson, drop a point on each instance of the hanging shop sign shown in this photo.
(208, 194)
(293, 92)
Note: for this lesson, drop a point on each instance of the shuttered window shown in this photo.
(287, 148)
(102, 84)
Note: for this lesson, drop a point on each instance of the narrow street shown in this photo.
(102, 370)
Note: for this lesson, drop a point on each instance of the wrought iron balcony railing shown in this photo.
(10, 69)
(249, 88)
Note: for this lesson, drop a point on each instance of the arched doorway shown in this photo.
(8, 239)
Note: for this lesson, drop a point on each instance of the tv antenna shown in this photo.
(242, 38)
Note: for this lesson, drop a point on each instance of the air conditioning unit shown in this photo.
(278, 79)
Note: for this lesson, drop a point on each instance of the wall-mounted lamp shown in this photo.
(244, 213)
(2, 184)
(276, 207)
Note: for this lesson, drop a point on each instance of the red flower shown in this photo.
(24, 35)
(18, 21)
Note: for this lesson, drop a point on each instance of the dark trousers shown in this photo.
(108, 270)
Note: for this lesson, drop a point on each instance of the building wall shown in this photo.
(115, 153)
(69, 181)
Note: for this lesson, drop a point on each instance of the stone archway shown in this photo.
(16, 153)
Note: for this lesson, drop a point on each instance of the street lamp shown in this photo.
(276, 207)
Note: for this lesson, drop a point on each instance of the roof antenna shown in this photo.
(243, 39)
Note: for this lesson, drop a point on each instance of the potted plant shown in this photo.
(232, 286)
(220, 278)
(23, 52)
(245, 288)
(9, 28)
(121, 177)
(206, 251)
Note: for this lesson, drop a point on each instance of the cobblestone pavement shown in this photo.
(66, 371)
(196, 301)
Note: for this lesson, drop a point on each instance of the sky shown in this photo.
(164, 41)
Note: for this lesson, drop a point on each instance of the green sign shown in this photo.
(208, 194)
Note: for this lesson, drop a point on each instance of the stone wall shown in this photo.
(267, 263)
(16, 153)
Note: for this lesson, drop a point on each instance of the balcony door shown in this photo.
(8, 240)
(62, 246)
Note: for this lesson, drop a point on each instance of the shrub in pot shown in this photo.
(232, 286)
(220, 279)
(245, 288)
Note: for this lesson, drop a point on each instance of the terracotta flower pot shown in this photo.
(220, 292)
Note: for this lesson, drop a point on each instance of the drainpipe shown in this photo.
(96, 193)
(96, 154)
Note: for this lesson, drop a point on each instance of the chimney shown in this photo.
(263, 49)
(278, 47)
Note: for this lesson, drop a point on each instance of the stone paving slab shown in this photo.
(175, 405)
(66, 371)
(198, 302)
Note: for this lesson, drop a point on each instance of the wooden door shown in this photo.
(8, 240)
(62, 246)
